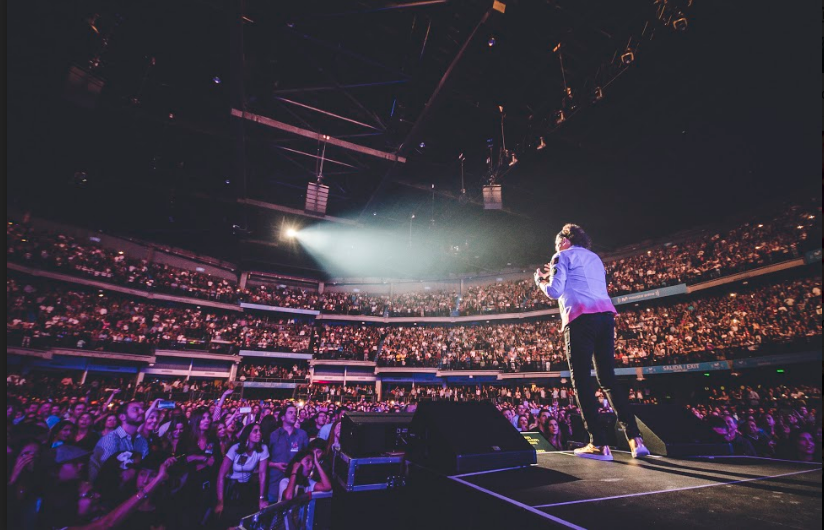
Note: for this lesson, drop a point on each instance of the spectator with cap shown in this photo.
(62, 432)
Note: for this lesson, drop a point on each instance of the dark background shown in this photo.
(706, 124)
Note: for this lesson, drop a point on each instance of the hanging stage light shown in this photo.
(559, 117)
(317, 193)
(627, 57)
(492, 197)
(316, 197)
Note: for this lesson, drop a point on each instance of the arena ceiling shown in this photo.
(119, 119)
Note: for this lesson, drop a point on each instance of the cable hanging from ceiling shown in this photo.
(664, 14)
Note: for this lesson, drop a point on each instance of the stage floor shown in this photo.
(721, 492)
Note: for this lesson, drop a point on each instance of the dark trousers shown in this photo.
(588, 338)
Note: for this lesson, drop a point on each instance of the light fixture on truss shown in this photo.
(317, 193)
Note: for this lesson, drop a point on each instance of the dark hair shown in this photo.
(194, 423)
(124, 408)
(331, 439)
(243, 440)
(576, 235)
(59, 427)
(796, 434)
(717, 422)
(18, 443)
(268, 425)
(294, 462)
(318, 443)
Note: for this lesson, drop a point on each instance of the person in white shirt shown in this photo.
(575, 276)
(242, 461)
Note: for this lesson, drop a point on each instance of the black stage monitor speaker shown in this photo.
(373, 433)
(670, 430)
(455, 438)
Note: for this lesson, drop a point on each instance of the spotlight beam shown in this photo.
(295, 211)
(453, 196)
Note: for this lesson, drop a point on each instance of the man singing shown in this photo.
(577, 279)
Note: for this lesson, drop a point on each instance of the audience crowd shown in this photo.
(359, 343)
(753, 243)
(254, 370)
(85, 457)
(49, 314)
(709, 327)
(756, 320)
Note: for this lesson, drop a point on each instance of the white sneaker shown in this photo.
(594, 452)
(639, 450)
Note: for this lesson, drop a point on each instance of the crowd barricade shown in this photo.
(304, 512)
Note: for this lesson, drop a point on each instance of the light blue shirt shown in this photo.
(324, 431)
(578, 281)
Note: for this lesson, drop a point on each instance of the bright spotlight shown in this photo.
(291, 233)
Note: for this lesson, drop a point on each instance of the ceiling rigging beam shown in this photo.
(440, 90)
(275, 124)
(337, 87)
(326, 113)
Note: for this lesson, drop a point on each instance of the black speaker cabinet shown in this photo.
(373, 433)
(455, 438)
(670, 430)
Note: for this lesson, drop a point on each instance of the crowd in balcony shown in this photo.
(753, 243)
(709, 327)
(718, 325)
(358, 343)
(254, 370)
(49, 314)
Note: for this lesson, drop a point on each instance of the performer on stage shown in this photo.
(576, 278)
